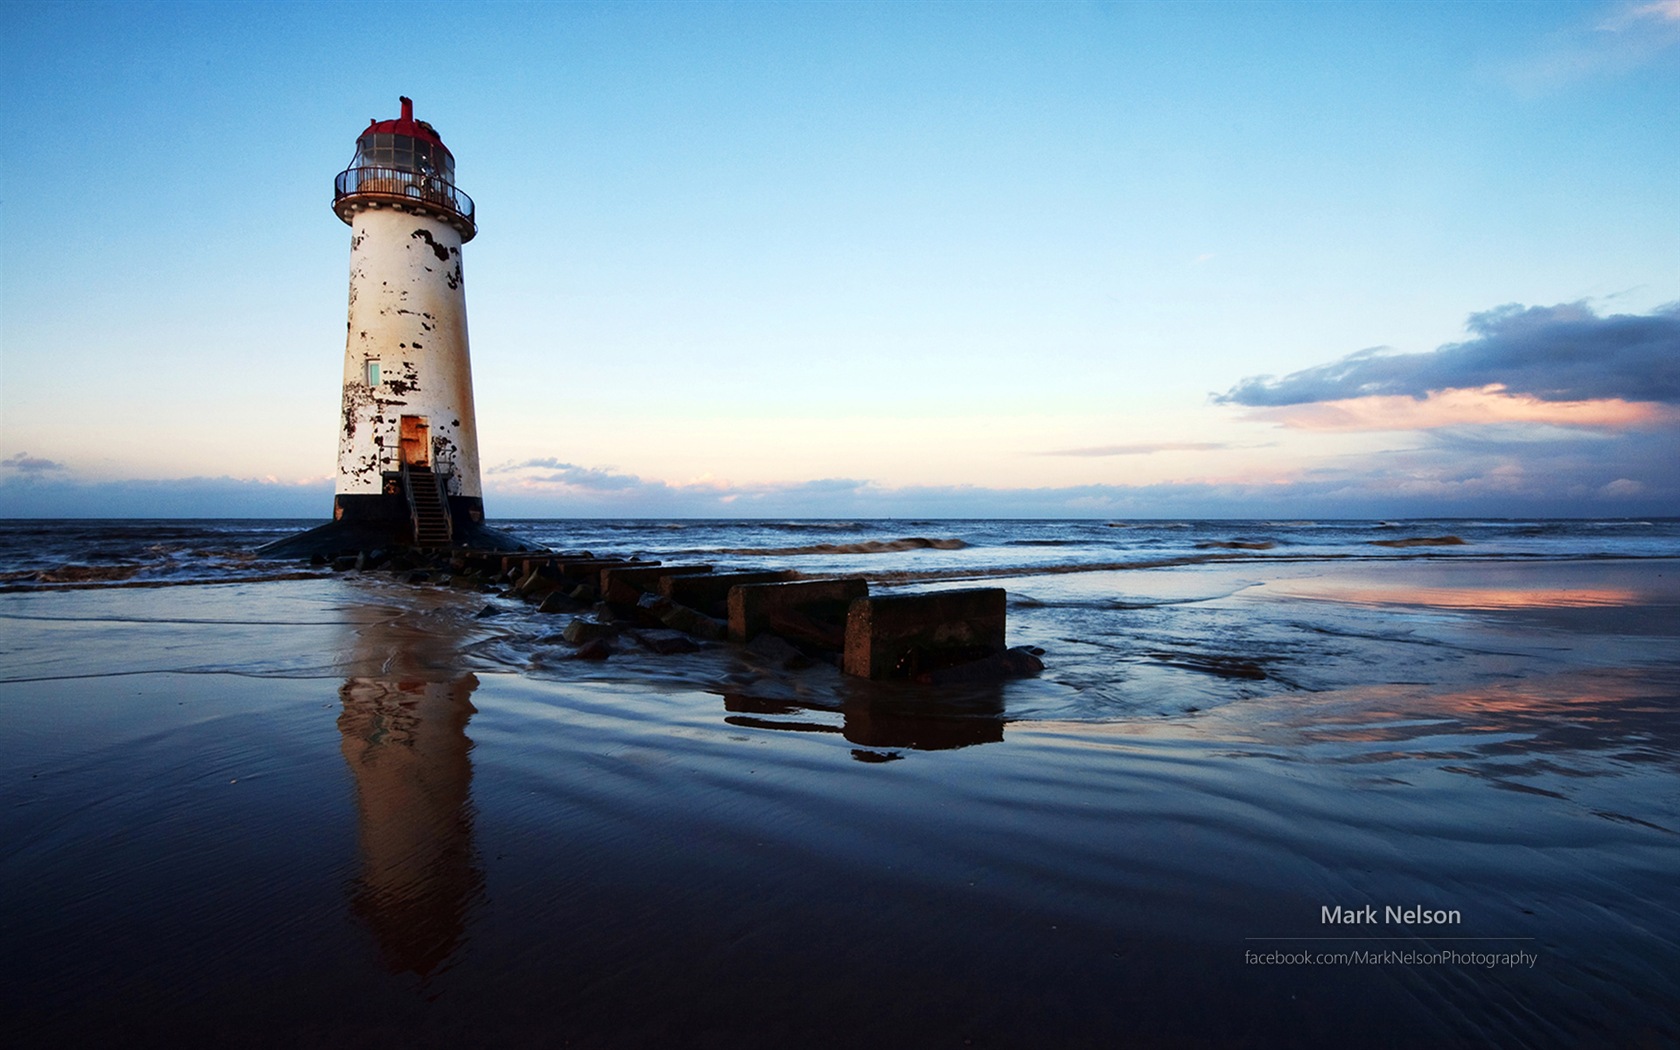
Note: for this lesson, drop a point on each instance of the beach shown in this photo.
(1309, 792)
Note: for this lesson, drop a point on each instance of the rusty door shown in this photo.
(415, 441)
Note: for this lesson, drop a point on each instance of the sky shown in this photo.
(1043, 260)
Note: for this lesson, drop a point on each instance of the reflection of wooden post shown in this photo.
(405, 742)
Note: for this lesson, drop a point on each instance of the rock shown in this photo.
(524, 583)
(666, 642)
(419, 576)
(778, 651)
(1019, 662)
(581, 630)
(655, 604)
(682, 618)
(584, 593)
(488, 610)
(598, 649)
(556, 603)
(343, 564)
(677, 617)
(711, 628)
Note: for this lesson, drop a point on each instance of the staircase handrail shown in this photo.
(413, 508)
(438, 482)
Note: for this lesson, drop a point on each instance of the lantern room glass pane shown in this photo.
(404, 153)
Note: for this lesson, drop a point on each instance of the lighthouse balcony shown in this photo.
(358, 188)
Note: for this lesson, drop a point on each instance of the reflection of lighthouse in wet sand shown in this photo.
(408, 439)
(405, 741)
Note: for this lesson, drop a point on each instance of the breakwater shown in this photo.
(934, 638)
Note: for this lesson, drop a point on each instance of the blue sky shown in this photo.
(1111, 260)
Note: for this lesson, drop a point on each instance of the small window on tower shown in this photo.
(373, 373)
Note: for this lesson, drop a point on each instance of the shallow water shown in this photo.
(349, 811)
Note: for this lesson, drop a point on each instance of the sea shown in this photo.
(135, 552)
(1280, 783)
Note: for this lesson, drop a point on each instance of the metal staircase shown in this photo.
(427, 506)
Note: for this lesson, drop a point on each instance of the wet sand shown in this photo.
(344, 812)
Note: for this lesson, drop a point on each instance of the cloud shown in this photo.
(1499, 470)
(1457, 408)
(551, 471)
(1556, 354)
(1466, 472)
(1633, 35)
(1660, 14)
(569, 488)
(1140, 450)
(1525, 470)
(24, 463)
(1544, 410)
(44, 496)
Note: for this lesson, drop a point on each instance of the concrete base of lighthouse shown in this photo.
(383, 522)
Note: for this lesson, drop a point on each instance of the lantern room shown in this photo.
(403, 163)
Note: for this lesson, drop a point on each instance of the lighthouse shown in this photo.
(408, 439)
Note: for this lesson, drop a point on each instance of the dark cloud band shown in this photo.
(1553, 353)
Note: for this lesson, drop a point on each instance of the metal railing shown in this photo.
(399, 185)
(391, 461)
(443, 465)
(413, 505)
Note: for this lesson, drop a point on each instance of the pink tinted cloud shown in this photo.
(1451, 408)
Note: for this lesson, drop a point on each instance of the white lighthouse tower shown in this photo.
(408, 444)
(408, 439)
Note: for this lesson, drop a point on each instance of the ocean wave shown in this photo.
(14, 582)
(89, 574)
(1237, 545)
(997, 572)
(1420, 541)
(909, 543)
(819, 526)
